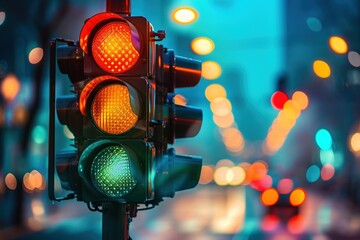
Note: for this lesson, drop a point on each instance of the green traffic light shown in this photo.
(111, 173)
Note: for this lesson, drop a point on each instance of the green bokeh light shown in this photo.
(39, 134)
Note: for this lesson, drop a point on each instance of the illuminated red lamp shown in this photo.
(112, 41)
(278, 99)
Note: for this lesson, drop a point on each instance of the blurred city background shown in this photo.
(280, 140)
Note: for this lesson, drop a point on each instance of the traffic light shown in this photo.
(122, 114)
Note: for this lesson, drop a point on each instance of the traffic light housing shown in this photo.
(122, 114)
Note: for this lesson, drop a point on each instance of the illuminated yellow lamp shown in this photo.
(27, 183)
(180, 100)
(224, 163)
(239, 176)
(68, 133)
(43, 184)
(220, 106)
(207, 175)
(215, 91)
(297, 197)
(184, 15)
(10, 181)
(221, 176)
(269, 197)
(355, 142)
(10, 87)
(321, 69)
(338, 44)
(224, 121)
(300, 99)
(291, 110)
(210, 70)
(36, 55)
(202, 45)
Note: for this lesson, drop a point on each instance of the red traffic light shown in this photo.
(112, 41)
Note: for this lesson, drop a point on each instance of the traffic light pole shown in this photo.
(118, 6)
(116, 220)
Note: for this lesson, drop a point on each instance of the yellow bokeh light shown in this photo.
(269, 197)
(291, 110)
(321, 69)
(184, 15)
(207, 175)
(297, 197)
(300, 99)
(10, 181)
(224, 121)
(180, 100)
(239, 176)
(224, 163)
(202, 45)
(215, 91)
(221, 106)
(355, 142)
(10, 87)
(210, 70)
(221, 176)
(338, 44)
(36, 55)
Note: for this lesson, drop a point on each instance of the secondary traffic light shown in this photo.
(122, 114)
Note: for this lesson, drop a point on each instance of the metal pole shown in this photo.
(115, 221)
(118, 6)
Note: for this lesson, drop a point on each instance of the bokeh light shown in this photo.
(314, 24)
(354, 58)
(239, 176)
(202, 45)
(207, 175)
(180, 100)
(321, 69)
(224, 121)
(220, 106)
(184, 15)
(36, 55)
(2, 17)
(39, 134)
(221, 176)
(323, 139)
(10, 181)
(327, 172)
(285, 186)
(215, 91)
(10, 87)
(338, 44)
(312, 173)
(297, 197)
(300, 99)
(291, 110)
(269, 197)
(355, 142)
(278, 99)
(210, 70)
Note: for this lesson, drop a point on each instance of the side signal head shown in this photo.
(112, 41)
